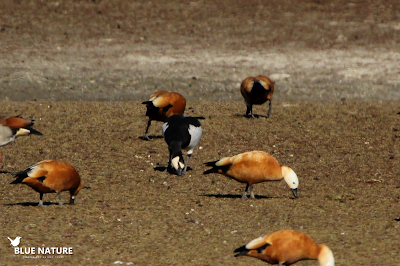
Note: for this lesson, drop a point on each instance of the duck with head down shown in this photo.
(50, 176)
(254, 167)
(287, 247)
(161, 105)
(257, 90)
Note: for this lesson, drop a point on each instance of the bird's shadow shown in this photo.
(231, 196)
(169, 170)
(151, 137)
(249, 116)
(46, 203)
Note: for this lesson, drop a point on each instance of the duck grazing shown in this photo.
(12, 127)
(50, 176)
(254, 167)
(257, 90)
(179, 133)
(161, 105)
(287, 247)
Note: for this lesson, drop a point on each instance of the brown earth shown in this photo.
(346, 157)
(122, 50)
(334, 121)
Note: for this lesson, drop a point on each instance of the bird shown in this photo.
(287, 247)
(179, 133)
(161, 105)
(15, 242)
(12, 127)
(254, 167)
(50, 176)
(257, 90)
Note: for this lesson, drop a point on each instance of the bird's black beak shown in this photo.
(294, 190)
(179, 171)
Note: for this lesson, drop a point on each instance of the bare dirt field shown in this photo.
(346, 157)
(82, 68)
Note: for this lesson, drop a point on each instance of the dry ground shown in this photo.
(346, 157)
(124, 50)
(89, 64)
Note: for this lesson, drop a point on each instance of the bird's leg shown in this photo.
(269, 109)
(244, 195)
(280, 264)
(252, 115)
(248, 110)
(251, 192)
(187, 162)
(41, 200)
(72, 200)
(146, 137)
(169, 163)
(59, 199)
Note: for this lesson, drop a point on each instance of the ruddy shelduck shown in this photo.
(254, 167)
(179, 133)
(161, 105)
(287, 247)
(257, 90)
(50, 176)
(12, 127)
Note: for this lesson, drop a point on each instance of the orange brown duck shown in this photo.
(50, 176)
(257, 90)
(287, 247)
(254, 167)
(161, 105)
(12, 127)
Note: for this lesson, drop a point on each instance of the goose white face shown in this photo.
(177, 165)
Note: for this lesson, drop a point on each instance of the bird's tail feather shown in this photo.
(242, 251)
(212, 170)
(35, 132)
(210, 163)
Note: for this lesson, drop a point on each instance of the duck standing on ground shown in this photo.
(161, 105)
(50, 176)
(254, 167)
(257, 90)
